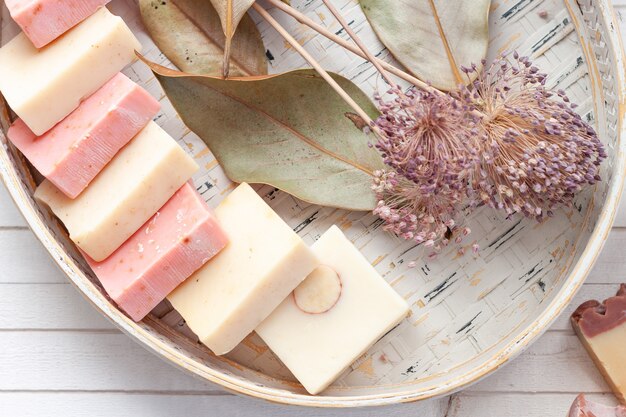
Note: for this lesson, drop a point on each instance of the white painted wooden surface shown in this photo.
(58, 357)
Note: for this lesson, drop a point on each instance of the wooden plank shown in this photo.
(612, 261)
(104, 361)
(24, 260)
(518, 404)
(122, 404)
(9, 216)
(85, 361)
(44, 306)
(557, 362)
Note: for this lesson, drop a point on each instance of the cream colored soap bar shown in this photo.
(334, 316)
(132, 187)
(44, 85)
(264, 261)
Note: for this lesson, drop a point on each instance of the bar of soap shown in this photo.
(129, 190)
(45, 85)
(601, 328)
(334, 316)
(45, 20)
(585, 408)
(75, 150)
(264, 261)
(181, 237)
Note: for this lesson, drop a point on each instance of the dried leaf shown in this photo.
(189, 33)
(287, 130)
(231, 12)
(433, 38)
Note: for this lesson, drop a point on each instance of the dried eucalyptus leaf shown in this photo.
(190, 34)
(433, 38)
(288, 130)
(231, 12)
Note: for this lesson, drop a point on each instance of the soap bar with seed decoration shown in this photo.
(264, 261)
(139, 180)
(582, 407)
(601, 328)
(43, 86)
(181, 237)
(45, 20)
(334, 316)
(75, 150)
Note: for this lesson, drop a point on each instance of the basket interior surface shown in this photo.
(469, 313)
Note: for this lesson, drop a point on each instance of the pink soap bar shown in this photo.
(45, 20)
(585, 408)
(181, 237)
(74, 151)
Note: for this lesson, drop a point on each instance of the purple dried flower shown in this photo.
(536, 151)
(505, 141)
(427, 141)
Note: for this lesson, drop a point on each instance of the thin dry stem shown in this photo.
(302, 18)
(321, 71)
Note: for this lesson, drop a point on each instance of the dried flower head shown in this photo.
(536, 151)
(505, 141)
(426, 140)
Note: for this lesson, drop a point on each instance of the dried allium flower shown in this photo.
(536, 151)
(426, 140)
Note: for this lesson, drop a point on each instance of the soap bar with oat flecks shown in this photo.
(139, 180)
(263, 262)
(43, 86)
(601, 328)
(181, 237)
(45, 20)
(76, 149)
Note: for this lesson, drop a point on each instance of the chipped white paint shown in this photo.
(469, 315)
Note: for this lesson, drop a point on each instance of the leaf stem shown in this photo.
(226, 62)
(302, 18)
(321, 71)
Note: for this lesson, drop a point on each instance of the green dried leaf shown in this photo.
(189, 33)
(290, 130)
(433, 38)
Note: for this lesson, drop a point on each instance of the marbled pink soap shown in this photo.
(74, 151)
(585, 408)
(181, 237)
(45, 20)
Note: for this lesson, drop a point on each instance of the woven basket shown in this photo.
(469, 316)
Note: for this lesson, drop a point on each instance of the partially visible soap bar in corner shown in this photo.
(43, 86)
(265, 260)
(601, 328)
(45, 20)
(181, 237)
(76, 149)
(585, 408)
(130, 189)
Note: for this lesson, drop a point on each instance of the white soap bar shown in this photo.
(264, 261)
(132, 187)
(334, 316)
(44, 85)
